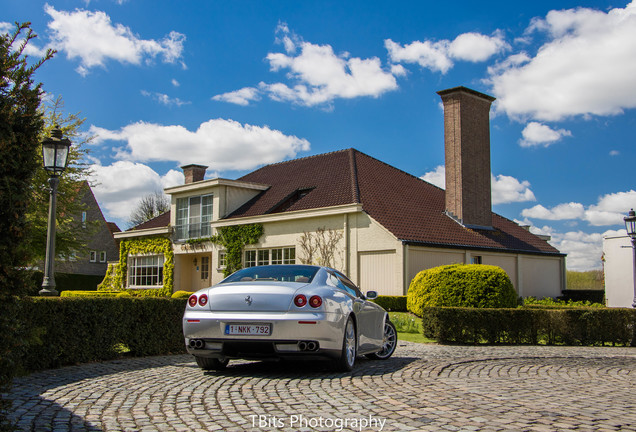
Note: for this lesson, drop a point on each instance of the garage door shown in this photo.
(377, 273)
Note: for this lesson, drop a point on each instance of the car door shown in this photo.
(369, 319)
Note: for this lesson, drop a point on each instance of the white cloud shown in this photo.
(614, 153)
(536, 134)
(609, 210)
(241, 97)
(175, 83)
(321, 75)
(164, 98)
(438, 56)
(436, 177)
(120, 186)
(504, 189)
(220, 144)
(6, 27)
(586, 67)
(93, 39)
(560, 212)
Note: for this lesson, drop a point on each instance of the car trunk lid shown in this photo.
(252, 297)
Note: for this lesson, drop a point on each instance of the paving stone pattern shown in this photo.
(422, 387)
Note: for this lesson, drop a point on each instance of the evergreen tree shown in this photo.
(21, 124)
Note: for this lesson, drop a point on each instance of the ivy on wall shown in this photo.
(115, 279)
(234, 239)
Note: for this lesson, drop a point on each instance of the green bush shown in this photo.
(461, 285)
(70, 330)
(89, 293)
(571, 326)
(557, 303)
(181, 294)
(391, 303)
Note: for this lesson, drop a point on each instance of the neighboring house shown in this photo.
(619, 271)
(101, 245)
(385, 224)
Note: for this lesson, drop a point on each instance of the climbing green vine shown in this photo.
(115, 279)
(234, 239)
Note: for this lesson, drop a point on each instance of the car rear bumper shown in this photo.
(288, 333)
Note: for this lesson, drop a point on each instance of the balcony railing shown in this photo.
(192, 231)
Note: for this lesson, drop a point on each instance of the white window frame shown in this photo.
(194, 215)
(273, 256)
(146, 268)
(93, 256)
(222, 263)
(102, 256)
(205, 267)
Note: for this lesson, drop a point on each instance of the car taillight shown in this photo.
(315, 301)
(300, 300)
(203, 300)
(192, 301)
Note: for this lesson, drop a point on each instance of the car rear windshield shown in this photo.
(274, 273)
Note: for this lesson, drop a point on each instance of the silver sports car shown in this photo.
(286, 311)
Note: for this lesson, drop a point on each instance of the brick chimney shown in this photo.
(467, 148)
(193, 173)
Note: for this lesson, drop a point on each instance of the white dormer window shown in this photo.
(194, 215)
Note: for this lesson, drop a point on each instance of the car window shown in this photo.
(274, 273)
(348, 285)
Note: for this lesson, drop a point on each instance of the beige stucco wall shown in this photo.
(531, 275)
(619, 271)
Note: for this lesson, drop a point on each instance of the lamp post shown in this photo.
(630, 227)
(55, 151)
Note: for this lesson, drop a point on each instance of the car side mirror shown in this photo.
(372, 295)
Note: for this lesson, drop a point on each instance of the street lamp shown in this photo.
(55, 156)
(630, 227)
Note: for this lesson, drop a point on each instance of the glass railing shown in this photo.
(192, 231)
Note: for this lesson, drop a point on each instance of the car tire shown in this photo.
(207, 364)
(389, 342)
(349, 348)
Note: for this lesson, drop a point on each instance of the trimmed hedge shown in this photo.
(70, 330)
(63, 282)
(391, 303)
(461, 285)
(572, 326)
(89, 293)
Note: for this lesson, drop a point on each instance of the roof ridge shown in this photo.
(300, 159)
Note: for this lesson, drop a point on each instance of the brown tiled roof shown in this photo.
(163, 220)
(112, 227)
(410, 208)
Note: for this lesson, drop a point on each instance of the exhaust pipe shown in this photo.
(196, 343)
(307, 346)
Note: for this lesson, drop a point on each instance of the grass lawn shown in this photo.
(409, 327)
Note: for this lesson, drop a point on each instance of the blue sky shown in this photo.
(237, 84)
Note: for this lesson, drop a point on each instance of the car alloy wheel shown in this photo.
(349, 348)
(389, 342)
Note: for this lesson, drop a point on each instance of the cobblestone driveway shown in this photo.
(422, 387)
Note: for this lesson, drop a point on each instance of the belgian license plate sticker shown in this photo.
(248, 329)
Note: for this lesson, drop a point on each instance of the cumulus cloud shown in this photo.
(215, 143)
(609, 210)
(164, 99)
(614, 153)
(438, 56)
(320, 75)
(538, 134)
(93, 39)
(505, 189)
(585, 67)
(119, 186)
(6, 27)
(241, 97)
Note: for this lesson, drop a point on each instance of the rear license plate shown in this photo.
(248, 329)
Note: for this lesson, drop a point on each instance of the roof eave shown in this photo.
(480, 248)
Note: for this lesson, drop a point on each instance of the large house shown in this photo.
(377, 224)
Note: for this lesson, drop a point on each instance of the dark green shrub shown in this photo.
(461, 285)
(391, 303)
(70, 330)
(89, 293)
(181, 294)
(571, 326)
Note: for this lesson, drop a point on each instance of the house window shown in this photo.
(93, 257)
(270, 256)
(222, 259)
(83, 219)
(145, 271)
(205, 268)
(102, 257)
(476, 259)
(250, 258)
(194, 215)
